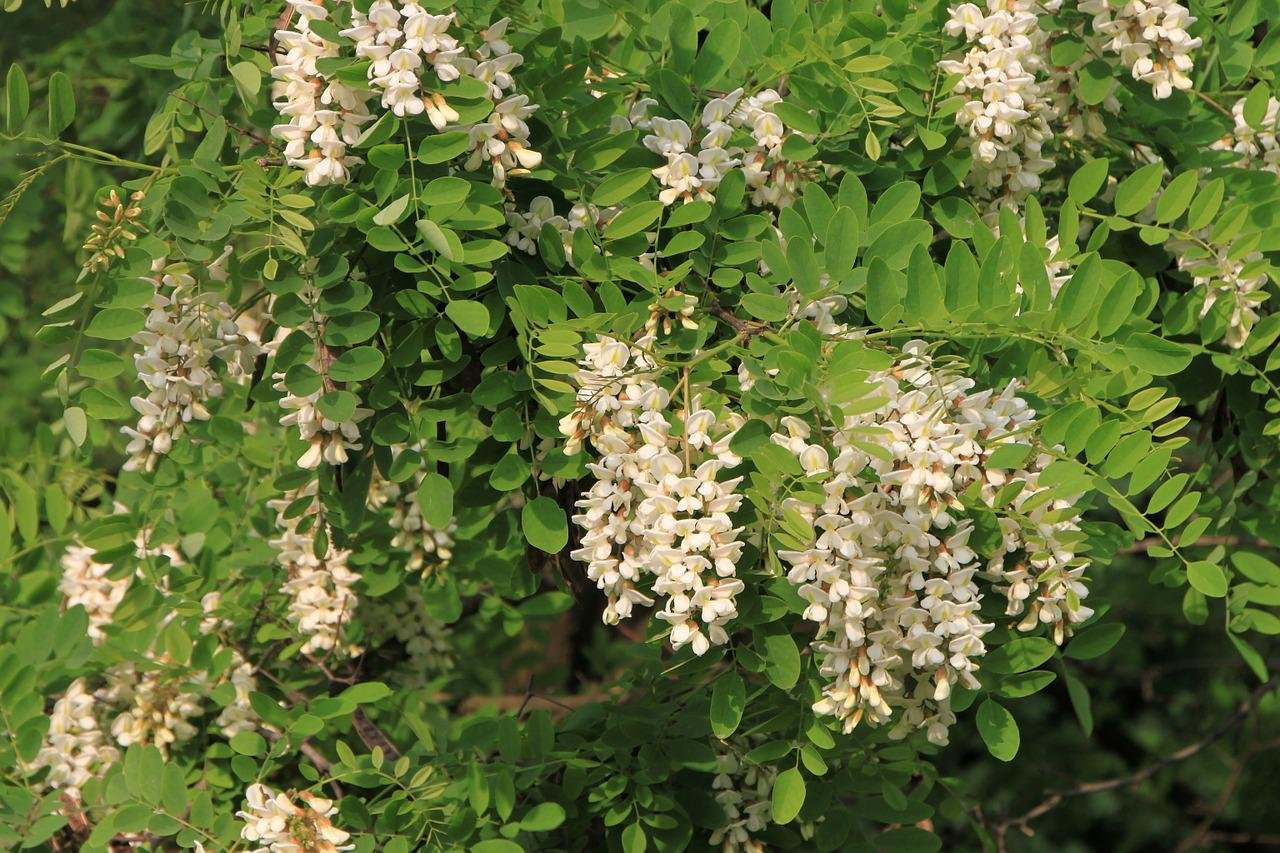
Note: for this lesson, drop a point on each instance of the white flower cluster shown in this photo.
(695, 168)
(656, 520)
(76, 749)
(186, 329)
(328, 440)
(277, 824)
(322, 600)
(1238, 281)
(426, 640)
(159, 705)
(324, 116)
(86, 582)
(410, 53)
(239, 716)
(1259, 148)
(1150, 37)
(429, 548)
(889, 575)
(745, 791)
(1006, 113)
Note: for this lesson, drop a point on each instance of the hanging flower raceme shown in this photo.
(1007, 117)
(324, 116)
(319, 586)
(1258, 146)
(656, 520)
(88, 583)
(1226, 277)
(159, 703)
(411, 56)
(189, 331)
(119, 223)
(889, 575)
(734, 132)
(1150, 37)
(277, 824)
(429, 548)
(76, 749)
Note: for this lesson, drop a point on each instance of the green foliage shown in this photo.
(430, 316)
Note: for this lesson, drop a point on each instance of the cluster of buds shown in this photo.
(189, 328)
(1226, 276)
(889, 575)
(118, 223)
(404, 619)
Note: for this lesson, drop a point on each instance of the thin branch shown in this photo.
(256, 137)
(744, 328)
(1142, 546)
(1242, 713)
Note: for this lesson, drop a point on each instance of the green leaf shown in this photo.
(17, 97)
(633, 220)
(543, 817)
(1136, 191)
(544, 525)
(248, 80)
(998, 729)
(1155, 355)
(1207, 578)
(115, 324)
(718, 53)
(728, 701)
(1095, 81)
(496, 845)
(620, 187)
(366, 692)
(442, 240)
(1176, 197)
(447, 190)
(1088, 180)
(765, 306)
(356, 364)
(781, 660)
(337, 406)
(633, 839)
(389, 156)
(442, 147)
(249, 743)
(1019, 655)
(391, 214)
(1078, 693)
(788, 795)
(471, 317)
(77, 425)
(435, 499)
(62, 103)
(1095, 641)
(1256, 567)
(173, 789)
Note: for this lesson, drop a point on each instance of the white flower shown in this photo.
(1151, 37)
(186, 330)
(889, 576)
(278, 825)
(75, 749)
(321, 598)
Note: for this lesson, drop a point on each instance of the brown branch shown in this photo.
(744, 328)
(1198, 835)
(1243, 712)
(373, 736)
(261, 140)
